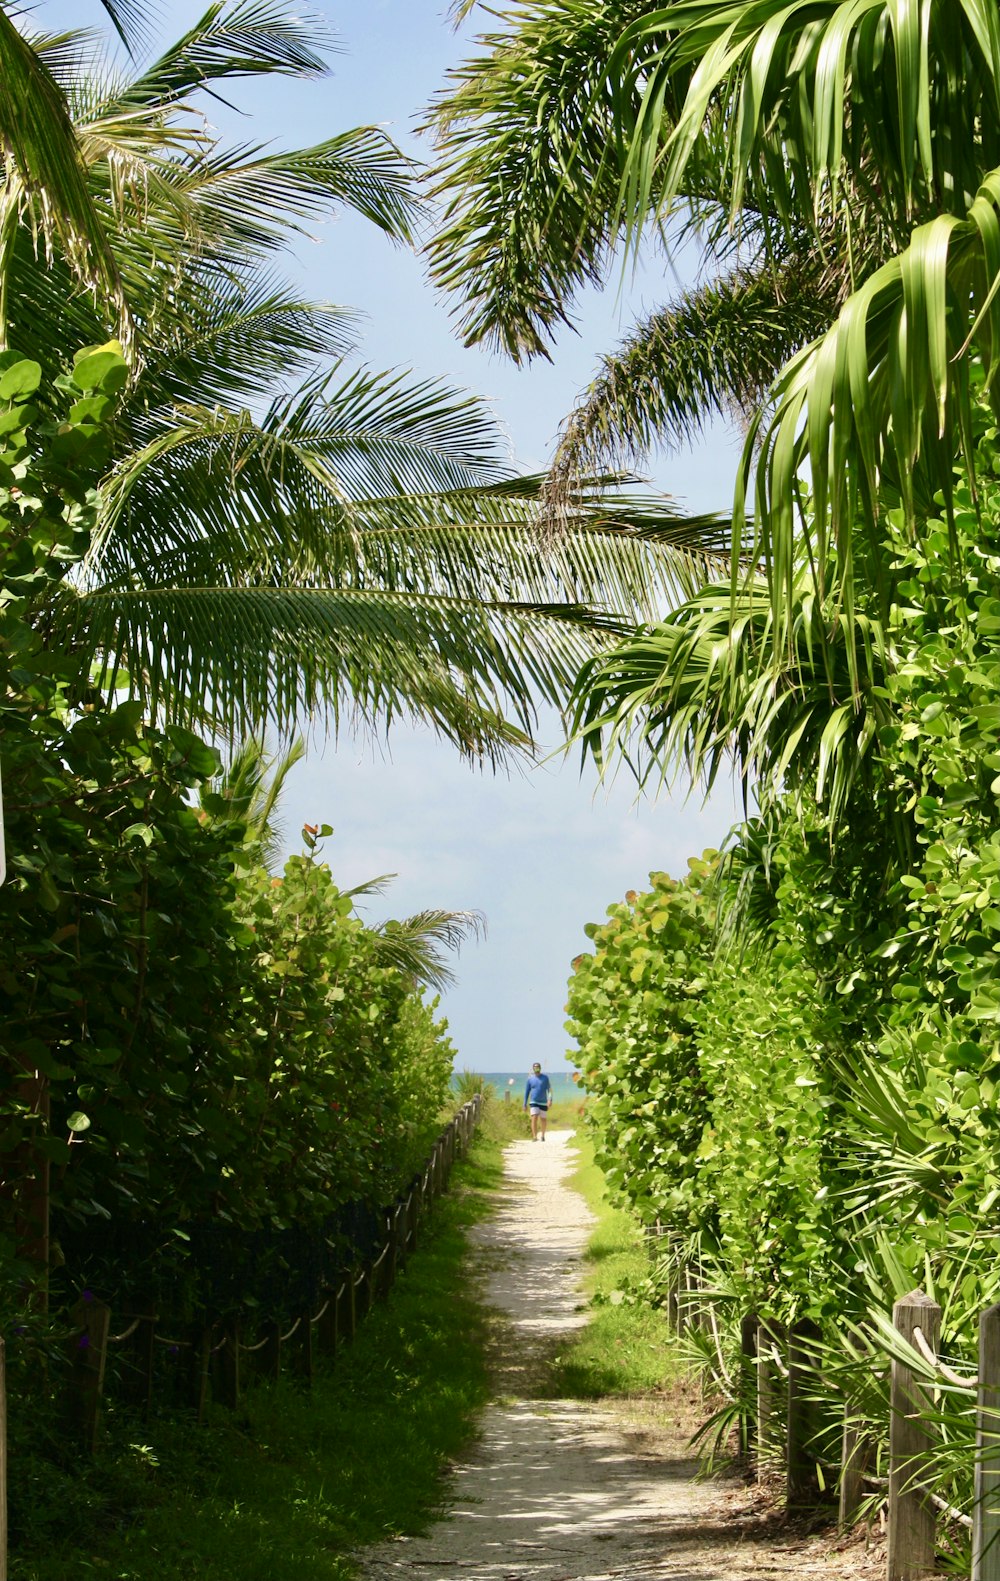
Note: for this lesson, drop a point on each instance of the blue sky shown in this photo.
(540, 852)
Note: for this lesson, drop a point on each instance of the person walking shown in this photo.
(538, 1098)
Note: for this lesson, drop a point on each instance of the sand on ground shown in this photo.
(564, 1490)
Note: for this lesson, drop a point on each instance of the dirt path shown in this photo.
(559, 1490)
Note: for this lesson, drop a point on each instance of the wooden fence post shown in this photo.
(303, 1352)
(748, 1368)
(392, 1245)
(986, 1515)
(912, 1523)
(362, 1295)
(801, 1486)
(853, 1455)
(3, 1461)
(88, 1357)
(412, 1211)
(347, 1314)
(768, 1431)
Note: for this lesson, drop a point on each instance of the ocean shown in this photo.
(512, 1081)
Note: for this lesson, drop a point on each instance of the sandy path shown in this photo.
(559, 1490)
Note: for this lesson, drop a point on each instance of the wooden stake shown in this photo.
(912, 1524)
(853, 1455)
(201, 1366)
(328, 1326)
(768, 1430)
(800, 1464)
(229, 1365)
(748, 1368)
(88, 1356)
(986, 1515)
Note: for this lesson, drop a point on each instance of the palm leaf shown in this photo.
(524, 172)
(716, 351)
(416, 945)
(708, 686)
(44, 173)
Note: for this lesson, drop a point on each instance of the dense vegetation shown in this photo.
(794, 1051)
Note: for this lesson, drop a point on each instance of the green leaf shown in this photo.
(21, 378)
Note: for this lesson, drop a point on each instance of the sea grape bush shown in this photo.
(632, 1005)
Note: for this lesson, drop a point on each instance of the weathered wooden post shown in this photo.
(853, 1456)
(769, 1424)
(143, 1352)
(912, 1524)
(88, 1357)
(986, 1515)
(3, 1461)
(303, 1353)
(748, 1372)
(362, 1295)
(412, 1214)
(800, 1465)
(392, 1244)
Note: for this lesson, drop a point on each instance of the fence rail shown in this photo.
(218, 1359)
(779, 1376)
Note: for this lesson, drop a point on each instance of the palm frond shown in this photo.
(248, 38)
(880, 406)
(526, 173)
(717, 350)
(349, 656)
(44, 174)
(899, 92)
(249, 791)
(129, 18)
(708, 687)
(416, 945)
(254, 199)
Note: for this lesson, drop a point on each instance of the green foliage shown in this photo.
(632, 1006)
(843, 1021)
(298, 1480)
(186, 1039)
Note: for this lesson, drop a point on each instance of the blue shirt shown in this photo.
(537, 1090)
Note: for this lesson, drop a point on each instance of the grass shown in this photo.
(296, 1481)
(625, 1348)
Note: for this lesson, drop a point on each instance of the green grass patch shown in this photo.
(288, 1487)
(626, 1348)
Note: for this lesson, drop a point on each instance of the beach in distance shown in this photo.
(561, 1077)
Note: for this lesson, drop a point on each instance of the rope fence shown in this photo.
(212, 1360)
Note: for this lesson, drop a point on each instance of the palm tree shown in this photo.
(864, 135)
(248, 793)
(277, 540)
